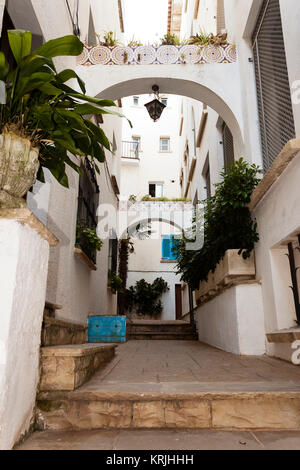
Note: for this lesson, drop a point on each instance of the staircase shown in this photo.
(160, 330)
(67, 361)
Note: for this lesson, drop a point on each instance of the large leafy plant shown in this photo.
(144, 297)
(227, 224)
(36, 103)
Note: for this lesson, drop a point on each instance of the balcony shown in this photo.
(131, 150)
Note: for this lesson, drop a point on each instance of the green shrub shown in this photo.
(144, 298)
(227, 224)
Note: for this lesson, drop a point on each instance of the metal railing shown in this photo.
(131, 150)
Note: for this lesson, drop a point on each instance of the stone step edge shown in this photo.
(76, 350)
(63, 323)
(122, 396)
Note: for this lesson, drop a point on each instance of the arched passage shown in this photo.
(216, 85)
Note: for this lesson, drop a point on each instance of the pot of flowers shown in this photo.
(42, 119)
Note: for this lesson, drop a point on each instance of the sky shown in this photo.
(146, 20)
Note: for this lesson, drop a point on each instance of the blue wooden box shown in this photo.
(106, 329)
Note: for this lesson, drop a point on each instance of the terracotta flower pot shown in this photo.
(19, 164)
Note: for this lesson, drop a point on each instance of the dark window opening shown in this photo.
(88, 199)
(228, 146)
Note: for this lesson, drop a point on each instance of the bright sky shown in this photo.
(146, 20)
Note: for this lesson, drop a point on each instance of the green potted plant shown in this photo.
(42, 120)
(88, 236)
(114, 282)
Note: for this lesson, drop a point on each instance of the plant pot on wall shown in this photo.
(19, 163)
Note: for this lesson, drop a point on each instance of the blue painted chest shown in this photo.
(108, 329)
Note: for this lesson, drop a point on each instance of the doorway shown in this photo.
(178, 301)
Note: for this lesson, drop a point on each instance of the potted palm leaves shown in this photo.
(43, 121)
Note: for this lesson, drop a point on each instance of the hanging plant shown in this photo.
(89, 237)
(114, 282)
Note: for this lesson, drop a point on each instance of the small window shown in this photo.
(164, 144)
(135, 100)
(207, 183)
(156, 189)
(88, 199)
(168, 247)
(113, 252)
(136, 143)
(164, 101)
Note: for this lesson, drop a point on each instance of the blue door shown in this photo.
(106, 329)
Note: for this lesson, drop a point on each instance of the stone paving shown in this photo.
(162, 440)
(243, 393)
(190, 362)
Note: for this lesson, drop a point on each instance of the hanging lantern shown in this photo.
(155, 107)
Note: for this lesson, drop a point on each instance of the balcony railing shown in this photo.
(131, 150)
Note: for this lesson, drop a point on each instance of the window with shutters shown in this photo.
(228, 147)
(206, 178)
(88, 198)
(272, 83)
(168, 245)
(113, 253)
(221, 25)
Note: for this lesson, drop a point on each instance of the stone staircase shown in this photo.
(67, 361)
(160, 330)
(173, 406)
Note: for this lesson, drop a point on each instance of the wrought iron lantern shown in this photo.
(155, 107)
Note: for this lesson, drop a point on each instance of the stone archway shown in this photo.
(216, 85)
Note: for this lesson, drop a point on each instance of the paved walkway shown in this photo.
(156, 365)
(150, 368)
(162, 440)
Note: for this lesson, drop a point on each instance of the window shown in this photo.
(272, 83)
(88, 198)
(136, 100)
(156, 189)
(164, 101)
(136, 143)
(206, 176)
(113, 252)
(196, 11)
(228, 148)
(168, 245)
(92, 41)
(164, 144)
(220, 16)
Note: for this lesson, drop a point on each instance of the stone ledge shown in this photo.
(219, 410)
(284, 336)
(75, 350)
(85, 259)
(69, 367)
(57, 332)
(287, 154)
(57, 321)
(233, 283)
(25, 216)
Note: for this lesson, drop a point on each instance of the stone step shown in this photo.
(163, 335)
(57, 332)
(67, 367)
(171, 405)
(143, 329)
